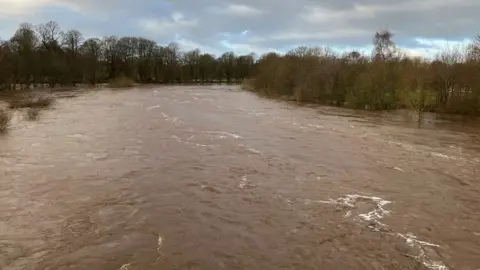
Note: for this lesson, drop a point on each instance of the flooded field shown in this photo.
(210, 177)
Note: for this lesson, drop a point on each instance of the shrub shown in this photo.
(5, 118)
(248, 84)
(32, 113)
(121, 82)
(39, 102)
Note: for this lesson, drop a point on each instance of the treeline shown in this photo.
(44, 54)
(386, 79)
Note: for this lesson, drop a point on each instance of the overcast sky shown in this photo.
(216, 26)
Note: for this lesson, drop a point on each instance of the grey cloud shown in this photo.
(341, 22)
(283, 23)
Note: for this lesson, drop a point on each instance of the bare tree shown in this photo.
(91, 56)
(384, 47)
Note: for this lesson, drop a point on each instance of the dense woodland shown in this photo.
(45, 54)
(387, 79)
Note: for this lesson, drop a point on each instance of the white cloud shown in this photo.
(164, 27)
(177, 17)
(319, 14)
(15, 8)
(245, 48)
(324, 15)
(442, 43)
(188, 45)
(338, 33)
(236, 10)
(415, 5)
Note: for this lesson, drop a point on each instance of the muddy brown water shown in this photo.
(215, 178)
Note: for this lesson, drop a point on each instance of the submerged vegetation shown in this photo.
(30, 102)
(121, 82)
(388, 79)
(32, 114)
(5, 117)
(36, 56)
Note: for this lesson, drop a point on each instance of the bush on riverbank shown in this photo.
(31, 102)
(248, 85)
(388, 79)
(32, 114)
(121, 82)
(5, 117)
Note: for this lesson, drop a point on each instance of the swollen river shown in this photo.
(211, 177)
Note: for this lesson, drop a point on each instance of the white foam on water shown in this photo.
(153, 107)
(315, 126)
(233, 135)
(423, 259)
(426, 151)
(191, 143)
(174, 120)
(159, 243)
(398, 169)
(374, 216)
(412, 240)
(78, 136)
(442, 155)
(403, 145)
(245, 183)
(297, 125)
(125, 266)
(255, 151)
